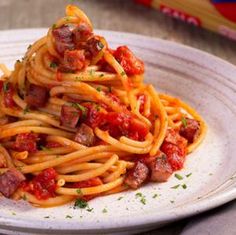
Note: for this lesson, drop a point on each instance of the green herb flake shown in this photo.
(80, 203)
(54, 26)
(155, 195)
(89, 209)
(77, 79)
(122, 73)
(91, 72)
(13, 213)
(69, 217)
(98, 88)
(26, 110)
(172, 202)
(24, 197)
(82, 108)
(184, 186)
(53, 65)
(176, 186)
(119, 198)
(184, 121)
(5, 86)
(18, 61)
(99, 45)
(104, 210)
(46, 217)
(44, 148)
(188, 175)
(179, 177)
(139, 195)
(143, 200)
(101, 75)
(79, 191)
(29, 46)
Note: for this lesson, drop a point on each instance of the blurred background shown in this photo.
(127, 16)
(118, 15)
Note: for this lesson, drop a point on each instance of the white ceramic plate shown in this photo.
(202, 80)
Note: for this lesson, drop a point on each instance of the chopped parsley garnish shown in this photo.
(82, 108)
(98, 88)
(29, 46)
(46, 217)
(104, 210)
(176, 186)
(179, 177)
(142, 198)
(78, 78)
(119, 198)
(89, 209)
(53, 65)
(24, 197)
(101, 75)
(188, 175)
(172, 201)
(18, 61)
(91, 72)
(54, 26)
(155, 195)
(26, 110)
(80, 203)
(79, 191)
(184, 186)
(69, 217)
(13, 213)
(122, 73)
(44, 148)
(184, 121)
(5, 86)
(99, 45)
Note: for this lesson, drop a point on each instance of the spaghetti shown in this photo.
(77, 121)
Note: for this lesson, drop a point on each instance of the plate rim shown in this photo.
(190, 209)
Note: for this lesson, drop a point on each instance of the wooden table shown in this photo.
(118, 15)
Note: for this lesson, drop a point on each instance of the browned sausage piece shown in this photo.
(37, 96)
(191, 130)
(137, 175)
(160, 168)
(10, 181)
(85, 135)
(69, 116)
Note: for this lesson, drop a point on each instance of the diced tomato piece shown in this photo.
(123, 124)
(8, 92)
(130, 63)
(94, 116)
(26, 142)
(43, 186)
(53, 144)
(175, 147)
(86, 184)
(142, 100)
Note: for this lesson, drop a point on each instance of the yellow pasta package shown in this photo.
(216, 15)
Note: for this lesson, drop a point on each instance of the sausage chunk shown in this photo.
(81, 34)
(69, 116)
(37, 96)
(63, 39)
(191, 130)
(26, 142)
(85, 135)
(10, 181)
(160, 168)
(137, 175)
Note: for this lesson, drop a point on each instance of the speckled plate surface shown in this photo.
(202, 80)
